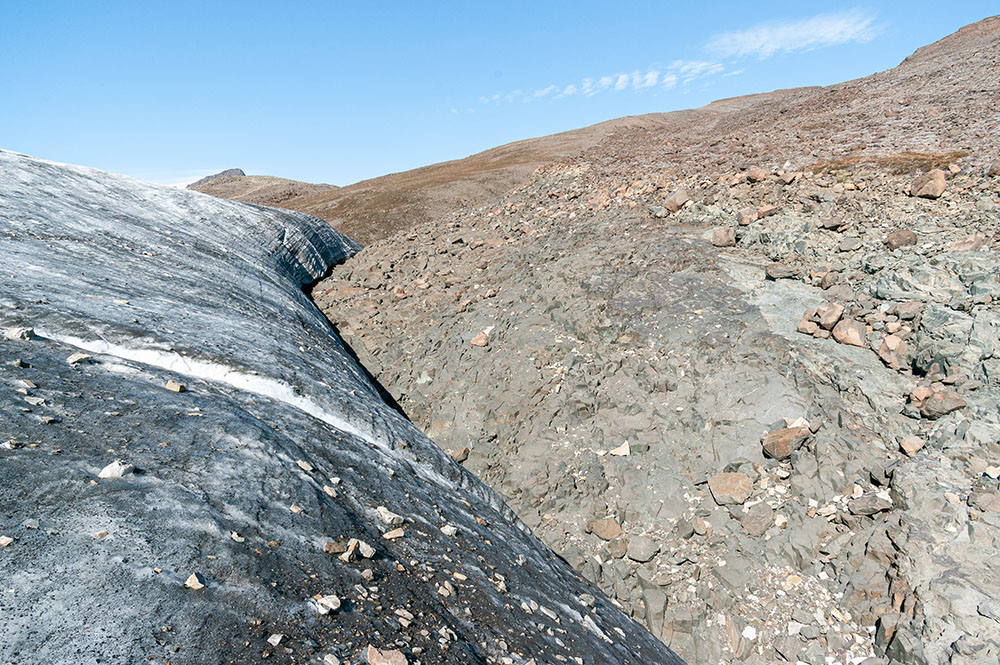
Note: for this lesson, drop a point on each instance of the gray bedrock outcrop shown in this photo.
(266, 503)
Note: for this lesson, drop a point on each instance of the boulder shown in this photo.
(829, 314)
(730, 488)
(930, 185)
(724, 237)
(781, 443)
(605, 529)
(676, 200)
(778, 271)
(900, 238)
(849, 331)
(941, 403)
(892, 350)
(642, 549)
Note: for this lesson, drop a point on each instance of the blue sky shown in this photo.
(331, 92)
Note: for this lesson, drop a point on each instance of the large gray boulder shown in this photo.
(245, 518)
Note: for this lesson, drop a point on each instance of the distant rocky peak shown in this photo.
(228, 173)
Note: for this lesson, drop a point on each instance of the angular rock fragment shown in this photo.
(892, 350)
(676, 200)
(900, 238)
(116, 469)
(941, 403)
(730, 488)
(851, 332)
(911, 445)
(781, 443)
(834, 223)
(389, 517)
(384, 656)
(174, 386)
(969, 243)
(908, 310)
(75, 358)
(930, 185)
(849, 245)
(756, 174)
(481, 340)
(642, 549)
(724, 237)
(869, 504)
(327, 604)
(605, 529)
(758, 520)
(195, 581)
(829, 314)
(808, 327)
(778, 271)
(623, 450)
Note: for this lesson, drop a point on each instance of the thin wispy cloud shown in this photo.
(773, 37)
(727, 51)
(681, 72)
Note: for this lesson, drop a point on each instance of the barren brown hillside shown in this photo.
(374, 209)
(917, 107)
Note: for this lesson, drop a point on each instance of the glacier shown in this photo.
(278, 447)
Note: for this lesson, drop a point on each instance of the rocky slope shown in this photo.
(740, 366)
(193, 468)
(373, 209)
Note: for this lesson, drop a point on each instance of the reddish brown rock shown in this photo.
(385, 656)
(605, 529)
(911, 445)
(892, 351)
(778, 271)
(676, 200)
(730, 488)
(480, 340)
(929, 185)
(724, 237)
(919, 395)
(850, 332)
(756, 174)
(829, 314)
(808, 327)
(781, 443)
(941, 403)
(748, 216)
(767, 211)
(900, 238)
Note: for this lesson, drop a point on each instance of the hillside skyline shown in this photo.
(340, 96)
